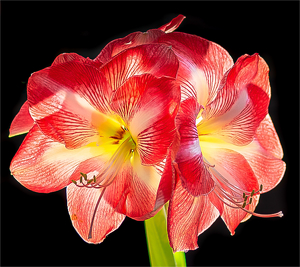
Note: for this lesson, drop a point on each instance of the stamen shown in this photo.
(234, 196)
(112, 167)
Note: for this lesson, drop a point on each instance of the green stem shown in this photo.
(160, 252)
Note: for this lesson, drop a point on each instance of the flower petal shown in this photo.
(133, 192)
(22, 122)
(193, 172)
(188, 217)
(82, 206)
(43, 165)
(68, 57)
(148, 105)
(231, 165)
(239, 106)
(173, 24)
(69, 101)
(167, 181)
(267, 137)
(156, 59)
(202, 65)
(233, 217)
(134, 39)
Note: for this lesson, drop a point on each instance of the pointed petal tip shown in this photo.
(173, 24)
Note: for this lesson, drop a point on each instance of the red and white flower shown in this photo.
(103, 130)
(229, 151)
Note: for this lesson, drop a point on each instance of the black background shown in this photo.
(36, 229)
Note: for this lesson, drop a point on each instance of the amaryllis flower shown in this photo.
(229, 151)
(102, 130)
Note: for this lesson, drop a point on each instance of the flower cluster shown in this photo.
(156, 117)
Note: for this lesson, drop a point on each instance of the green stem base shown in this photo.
(160, 252)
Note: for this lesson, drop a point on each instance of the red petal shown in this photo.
(188, 217)
(45, 166)
(148, 105)
(82, 204)
(264, 156)
(195, 177)
(22, 123)
(69, 77)
(156, 59)
(134, 39)
(202, 65)
(167, 181)
(172, 25)
(66, 101)
(232, 165)
(239, 106)
(133, 192)
(267, 137)
(233, 217)
(68, 128)
(69, 57)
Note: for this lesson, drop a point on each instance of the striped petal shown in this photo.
(193, 172)
(134, 39)
(133, 193)
(43, 165)
(69, 102)
(91, 215)
(156, 59)
(240, 105)
(188, 217)
(202, 65)
(148, 105)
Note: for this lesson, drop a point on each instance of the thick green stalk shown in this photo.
(160, 252)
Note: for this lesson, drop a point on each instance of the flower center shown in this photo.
(125, 148)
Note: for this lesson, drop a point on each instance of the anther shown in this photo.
(124, 128)
(261, 187)
(250, 200)
(74, 182)
(252, 193)
(84, 176)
